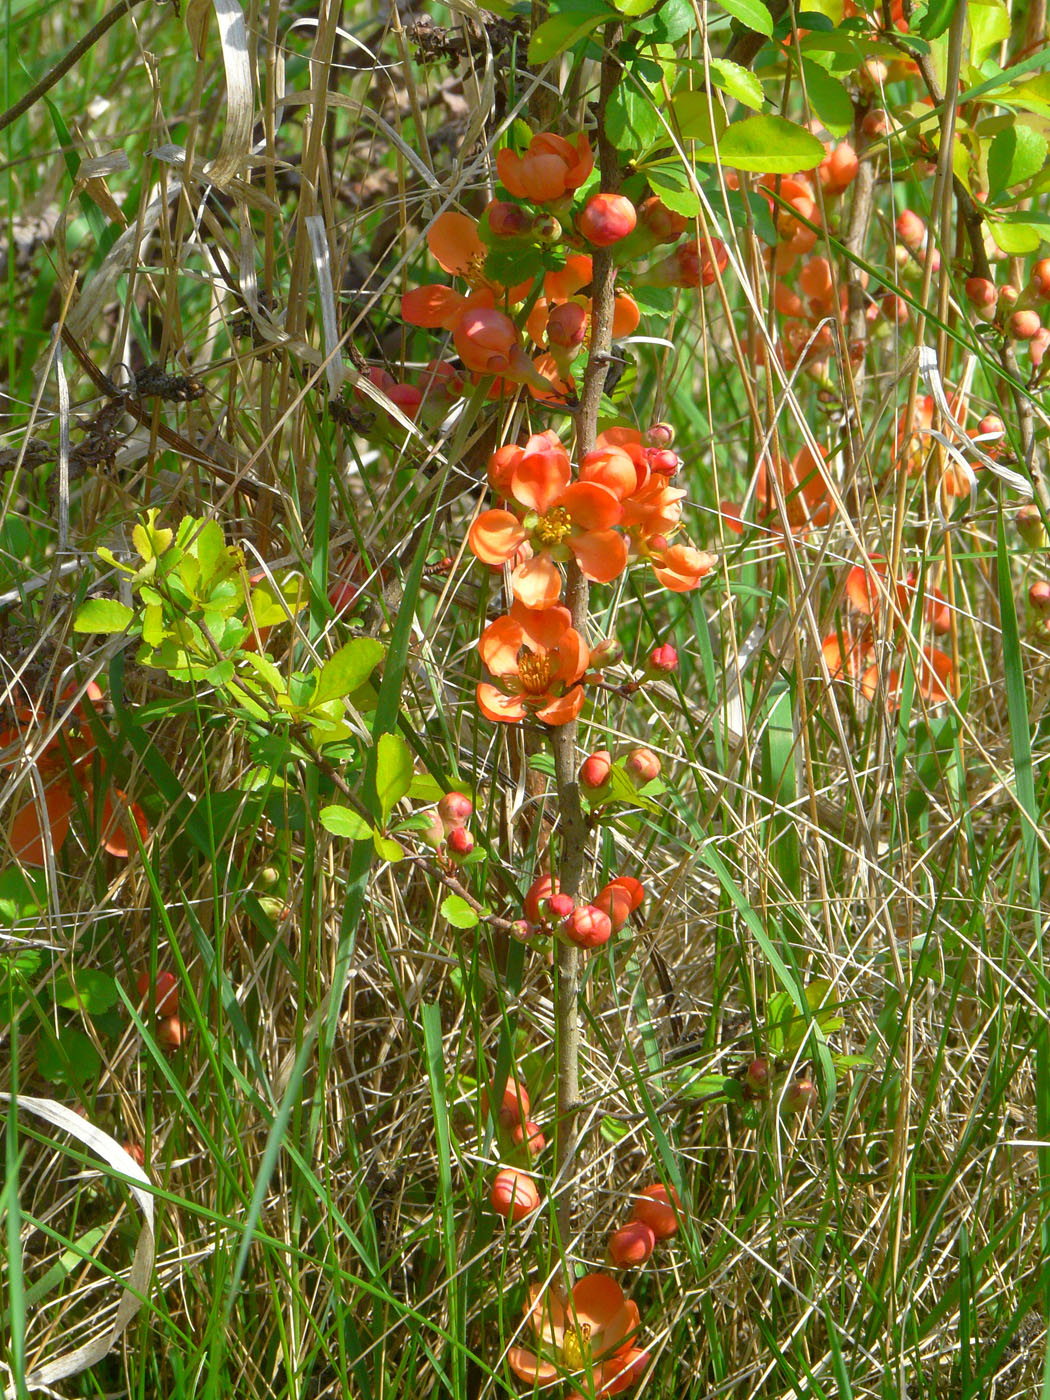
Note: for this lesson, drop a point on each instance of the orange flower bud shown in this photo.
(529, 1136)
(166, 992)
(606, 218)
(643, 765)
(454, 809)
(514, 1194)
(587, 927)
(1024, 325)
(656, 1207)
(631, 1245)
(595, 769)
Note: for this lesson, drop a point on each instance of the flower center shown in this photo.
(552, 527)
(576, 1348)
(474, 272)
(534, 672)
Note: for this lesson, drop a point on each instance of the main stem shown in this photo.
(572, 824)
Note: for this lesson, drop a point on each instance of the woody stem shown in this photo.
(572, 822)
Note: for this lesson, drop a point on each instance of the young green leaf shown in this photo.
(347, 669)
(344, 821)
(103, 615)
(393, 772)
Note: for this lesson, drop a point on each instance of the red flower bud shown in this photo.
(659, 222)
(514, 1107)
(620, 898)
(507, 220)
(911, 230)
(663, 461)
(559, 907)
(1038, 345)
(136, 1152)
(643, 765)
(595, 769)
(1023, 325)
(454, 809)
(631, 1245)
(433, 834)
(663, 660)
(606, 218)
(799, 1096)
(567, 326)
(514, 1194)
(876, 123)
(538, 893)
(460, 842)
(756, 1080)
(1039, 595)
(1039, 281)
(170, 1033)
(530, 1137)
(982, 296)
(166, 995)
(660, 435)
(656, 1207)
(587, 927)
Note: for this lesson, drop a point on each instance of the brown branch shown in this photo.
(62, 67)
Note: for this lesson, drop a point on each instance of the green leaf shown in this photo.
(1016, 154)
(693, 111)
(344, 821)
(347, 669)
(424, 788)
(393, 771)
(678, 197)
(563, 31)
(73, 1060)
(739, 82)
(828, 98)
(631, 120)
(387, 849)
(458, 912)
(937, 18)
(103, 615)
(752, 14)
(89, 990)
(989, 25)
(1016, 239)
(768, 144)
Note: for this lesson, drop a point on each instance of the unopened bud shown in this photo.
(663, 461)
(1039, 596)
(606, 218)
(1039, 281)
(655, 1206)
(530, 1137)
(982, 296)
(460, 842)
(911, 230)
(1030, 526)
(1038, 346)
(663, 660)
(660, 435)
(514, 1194)
(757, 1078)
(631, 1245)
(799, 1096)
(454, 809)
(170, 1033)
(508, 220)
(643, 765)
(587, 927)
(560, 906)
(607, 653)
(1023, 325)
(595, 769)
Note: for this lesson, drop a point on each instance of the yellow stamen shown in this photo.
(552, 527)
(534, 672)
(576, 1347)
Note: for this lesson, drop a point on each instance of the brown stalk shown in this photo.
(572, 822)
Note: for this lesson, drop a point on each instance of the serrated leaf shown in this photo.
(752, 14)
(1014, 155)
(393, 771)
(631, 120)
(739, 82)
(563, 31)
(103, 615)
(347, 669)
(1016, 239)
(88, 990)
(694, 112)
(458, 912)
(344, 821)
(828, 98)
(769, 144)
(676, 196)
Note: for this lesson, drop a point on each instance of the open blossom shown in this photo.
(539, 660)
(551, 168)
(587, 1338)
(558, 518)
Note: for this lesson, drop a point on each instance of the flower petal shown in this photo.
(495, 536)
(527, 1366)
(433, 306)
(500, 708)
(116, 823)
(591, 506)
(541, 628)
(454, 241)
(597, 1299)
(32, 832)
(601, 554)
(540, 477)
(563, 708)
(499, 645)
(537, 582)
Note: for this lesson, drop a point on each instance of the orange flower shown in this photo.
(804, 487)
(587, 1337)
(680, 567)
(558, 518)
(550, 169)
(933, 674)
(456, 246)
(539, 660)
